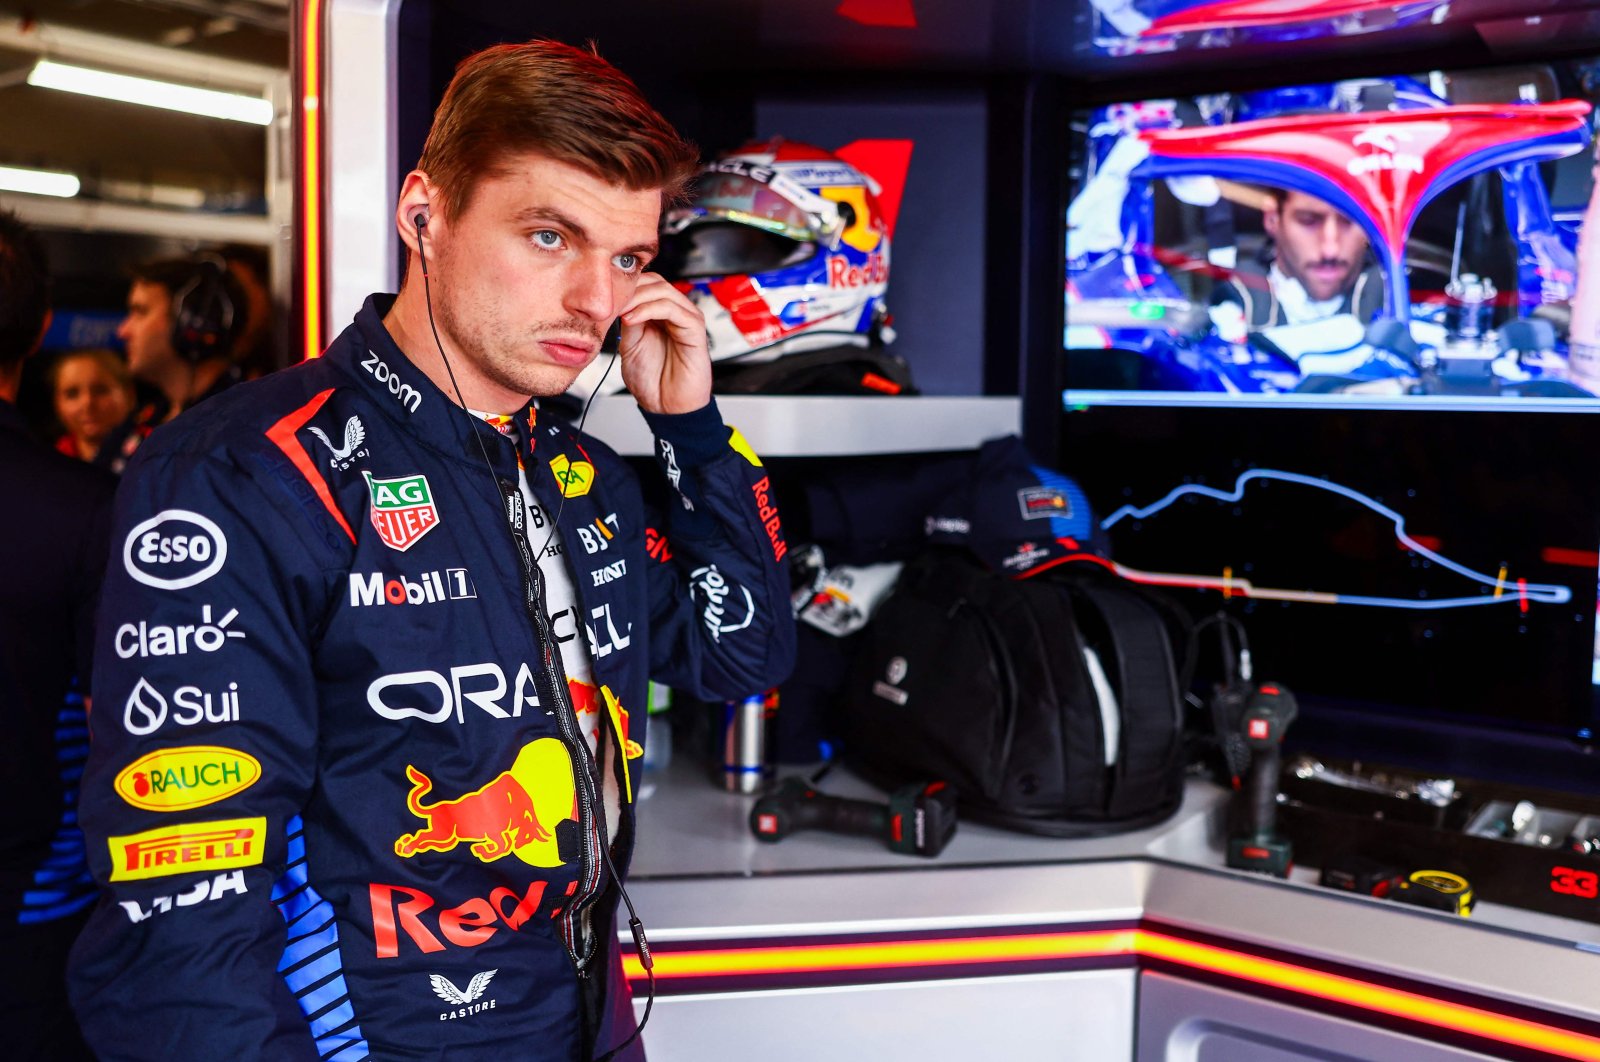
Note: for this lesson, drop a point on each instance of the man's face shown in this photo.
(528, 278)
(1317, 245)
(147, 330)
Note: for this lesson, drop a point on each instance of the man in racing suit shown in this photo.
(377, 629)
(1318, 270)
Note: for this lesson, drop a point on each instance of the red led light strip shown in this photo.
(1120, 943)
(311, 177)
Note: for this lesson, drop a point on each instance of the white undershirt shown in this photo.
(561, 604)
(571, 633)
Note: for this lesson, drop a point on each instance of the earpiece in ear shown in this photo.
(420, 220)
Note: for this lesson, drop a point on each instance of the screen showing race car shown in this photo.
(1125, 28)
(1375, 241)
(1378, 559)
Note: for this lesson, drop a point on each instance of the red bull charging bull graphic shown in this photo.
(516, 813)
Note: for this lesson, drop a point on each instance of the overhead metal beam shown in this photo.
(270, 17)
(134, 57)
(196, 227)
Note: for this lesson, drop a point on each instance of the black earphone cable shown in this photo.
(421, 222)
(640, 943)
(1236, 662)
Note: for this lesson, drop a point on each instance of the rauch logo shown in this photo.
(188, 777)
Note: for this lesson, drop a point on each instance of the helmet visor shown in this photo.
(738, 198)
(714, 248)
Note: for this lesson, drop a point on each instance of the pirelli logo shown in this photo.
(220, 845)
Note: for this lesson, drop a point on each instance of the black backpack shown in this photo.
(982, 681)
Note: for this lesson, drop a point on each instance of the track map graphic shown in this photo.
(1502, 588)
(1381, 560)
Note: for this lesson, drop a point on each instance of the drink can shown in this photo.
(747, 741)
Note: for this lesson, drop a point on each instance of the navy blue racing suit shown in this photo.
(336, 801)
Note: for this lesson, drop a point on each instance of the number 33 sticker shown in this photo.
(1584, 884)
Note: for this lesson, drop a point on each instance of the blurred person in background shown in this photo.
(259, 348)
(54, 552)
(184, 318)
(92, 392)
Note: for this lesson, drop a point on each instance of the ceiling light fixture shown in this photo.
(38, 182)
(127, 89)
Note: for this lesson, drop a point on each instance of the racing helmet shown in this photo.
(784, 248)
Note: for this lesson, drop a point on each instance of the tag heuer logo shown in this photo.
(574, 477)
(402, 509)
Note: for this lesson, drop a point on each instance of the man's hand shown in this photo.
(665, 362)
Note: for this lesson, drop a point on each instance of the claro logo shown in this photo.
(408, 396)
(174, 549)
(153, 639)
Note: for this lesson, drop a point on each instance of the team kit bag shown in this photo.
(1009, 662)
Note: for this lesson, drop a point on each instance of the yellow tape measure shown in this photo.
(1437, 889)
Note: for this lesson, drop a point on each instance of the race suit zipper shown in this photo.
(550, 681)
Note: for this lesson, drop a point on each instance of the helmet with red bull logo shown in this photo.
(784, 248)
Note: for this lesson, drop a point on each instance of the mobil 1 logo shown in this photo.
(174, 549)
(372, 588)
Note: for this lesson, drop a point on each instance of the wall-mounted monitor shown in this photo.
(1332, 366)
(1374, 240)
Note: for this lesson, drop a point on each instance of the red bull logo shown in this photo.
(842, 273)
(400, 913)
(631, 749)
(768, 512)
(514, 814)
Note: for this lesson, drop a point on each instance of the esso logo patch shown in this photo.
(174, 549)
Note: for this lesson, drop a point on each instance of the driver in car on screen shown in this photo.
(1313, 267)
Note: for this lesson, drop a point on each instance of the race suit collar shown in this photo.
(370, 355)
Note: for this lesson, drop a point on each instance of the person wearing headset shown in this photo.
(378, 627)
(179, 332)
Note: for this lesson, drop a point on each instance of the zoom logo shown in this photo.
(174, 549)
(408, 396)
